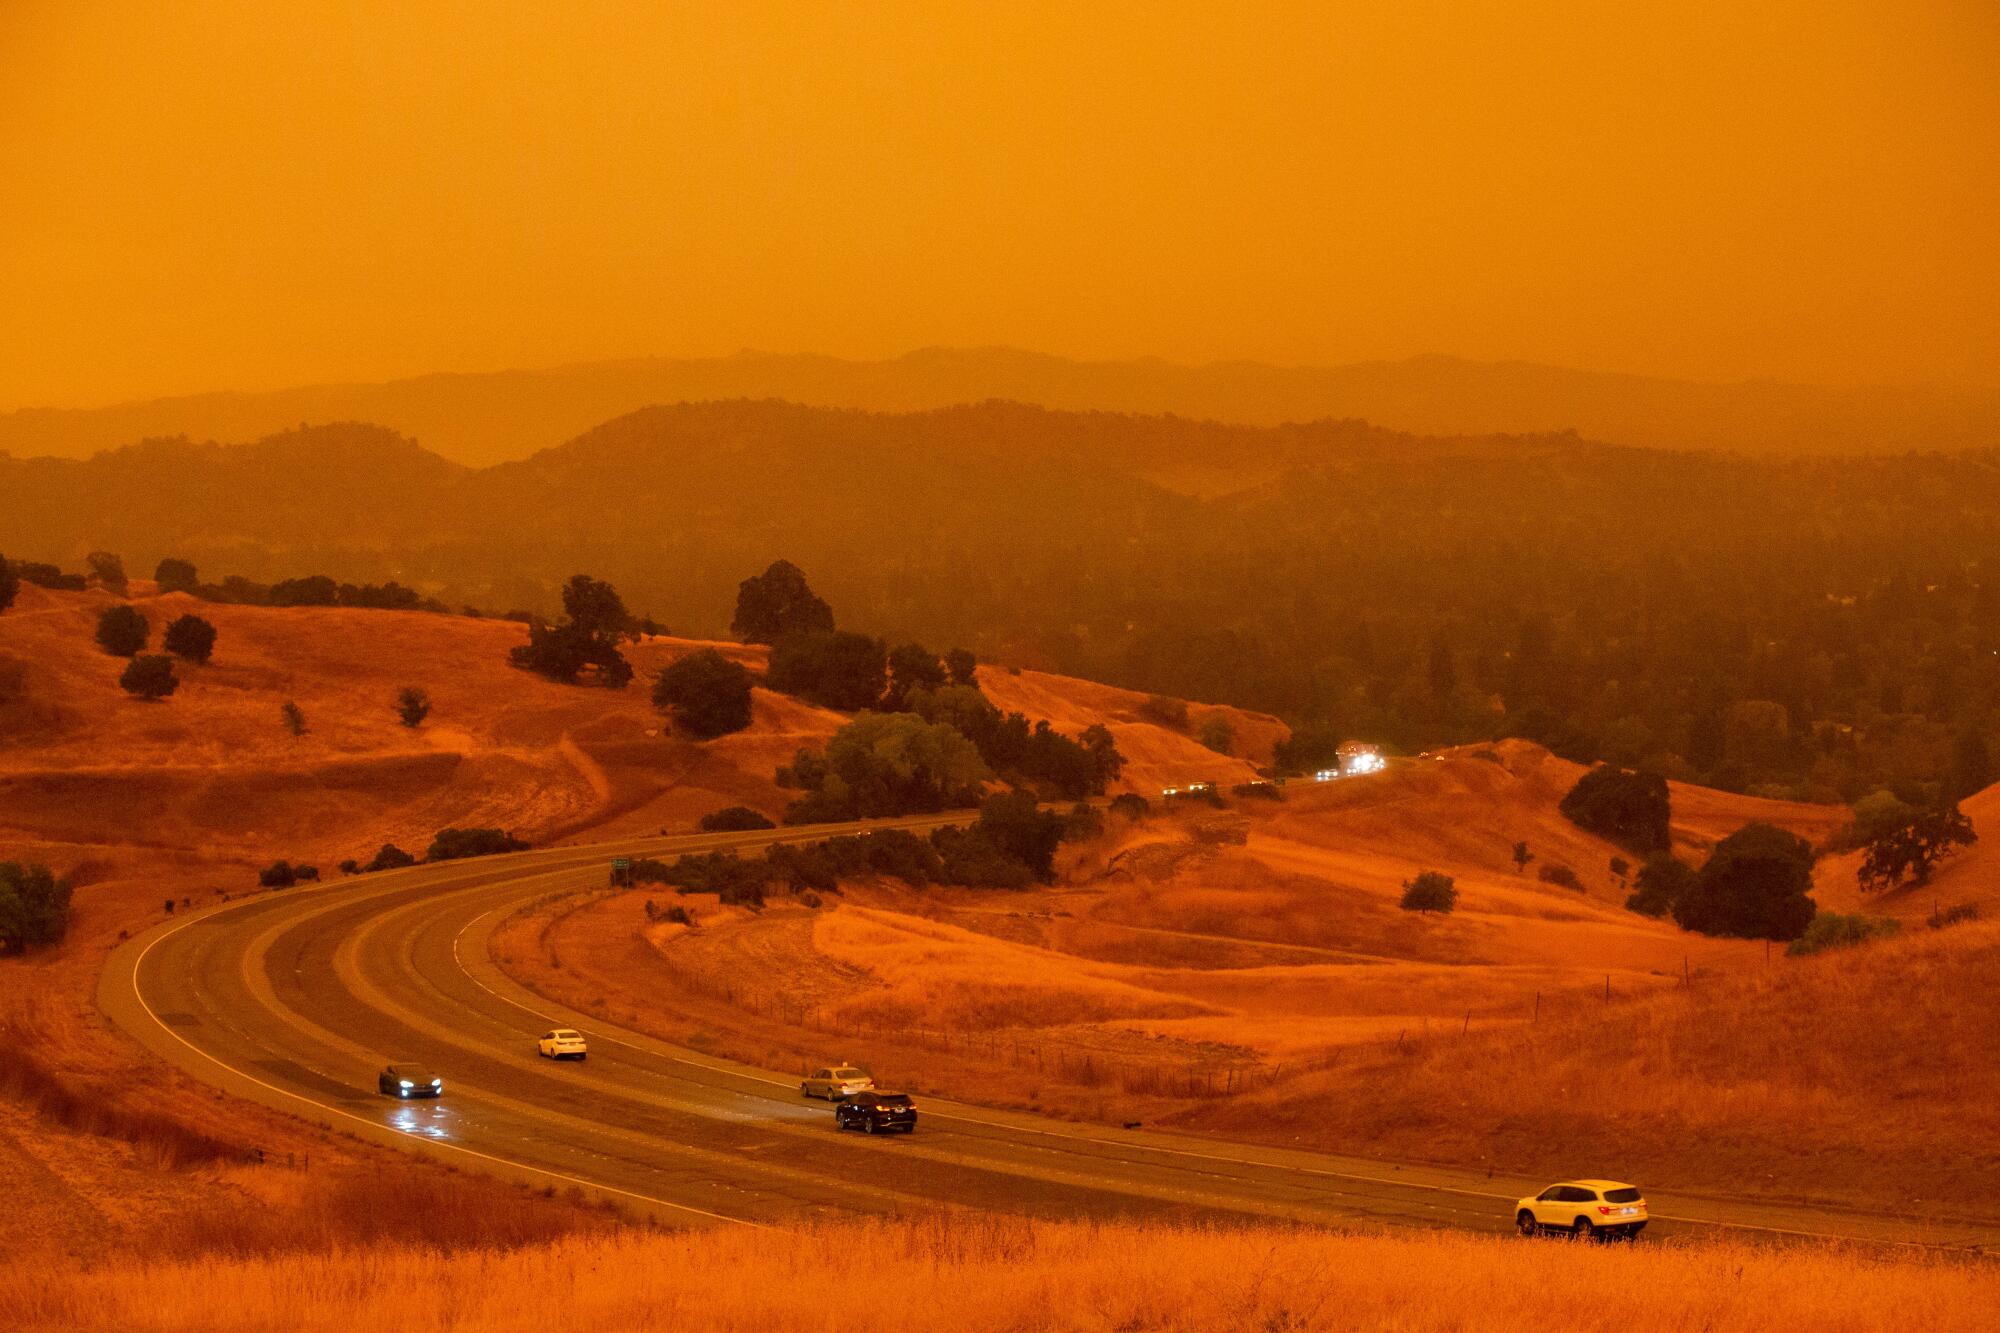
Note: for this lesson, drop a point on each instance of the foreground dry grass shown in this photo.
(965, 1273)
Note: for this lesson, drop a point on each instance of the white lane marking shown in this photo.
(140, 995)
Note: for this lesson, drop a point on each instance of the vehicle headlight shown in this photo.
(408, 1084)
(437, 1083)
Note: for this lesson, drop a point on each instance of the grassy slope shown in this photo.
(141, 802)
(1002, 1274)
(1480, 1037)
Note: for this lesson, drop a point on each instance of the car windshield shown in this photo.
(891, 1099)
(1626, 1195)
(412, 1072)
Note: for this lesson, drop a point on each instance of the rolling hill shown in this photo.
(495, 417)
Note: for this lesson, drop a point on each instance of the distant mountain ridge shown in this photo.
(485, 418)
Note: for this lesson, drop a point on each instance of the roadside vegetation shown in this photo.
(983, 1273)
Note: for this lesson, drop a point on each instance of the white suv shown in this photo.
(563, 1044)
(836, 1081)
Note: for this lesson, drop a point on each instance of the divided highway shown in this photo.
(296, 999)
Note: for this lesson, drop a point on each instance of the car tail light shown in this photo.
(1605, 1212)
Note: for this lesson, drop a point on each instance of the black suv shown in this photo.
(876, 1112)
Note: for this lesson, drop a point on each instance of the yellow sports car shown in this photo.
(1586, 1209)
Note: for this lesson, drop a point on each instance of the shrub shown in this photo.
(1833, 930)
(1879, 813)
(306, 874)
(1431, 891)
(706, 694)
(889, 764)
(1521, 856)
(108, 570)
(278, 875)
(1952, 916)
(833, 669)
(1661, 882)
(48, 576)
(962, 667)
(34, 907)
(778, 604)
(1020, 829)
(350, 867)
(191, 638)
(912, 667)
(175, 576)
(10, 584)
(734, 819)
(1217, 734)
(1131, 805)
(122, 631)
(1756, 884)
(294, 718)
(149, 676)
(730, 877)
(413, 705)
(454, 844)
(313, 590)
(1082, 823)
(1627, 807)
(968, 857)
(1555, 873)
(390, 857)
(1163, 711)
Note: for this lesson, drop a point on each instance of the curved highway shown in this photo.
(296, 999)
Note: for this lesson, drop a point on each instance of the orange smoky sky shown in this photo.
(213, 194)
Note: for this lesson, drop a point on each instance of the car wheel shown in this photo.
(869, 1124)
(1525, 1223)
(1584, 1231)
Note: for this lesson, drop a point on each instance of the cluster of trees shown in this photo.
(927, 738)
(1755, 884)
(1012, 844)
(123, 631)
(34, 907)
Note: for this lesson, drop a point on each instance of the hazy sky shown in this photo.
(208, 194)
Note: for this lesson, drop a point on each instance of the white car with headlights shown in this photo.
(836, 1081)
(564, 1044)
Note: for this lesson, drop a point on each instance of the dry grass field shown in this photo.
(981, 1273)
(1248, 972)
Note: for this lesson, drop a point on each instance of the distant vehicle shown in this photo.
(836, 1081)
(564, 1044)
(876, 1113)
(1586, 1209)
(401, 1080)
(1356, 758)
(1326, 775)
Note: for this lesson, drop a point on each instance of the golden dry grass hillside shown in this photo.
(140, 803)
(966, 1273)
(1248, 971)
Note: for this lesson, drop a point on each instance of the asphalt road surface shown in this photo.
(296, 999)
